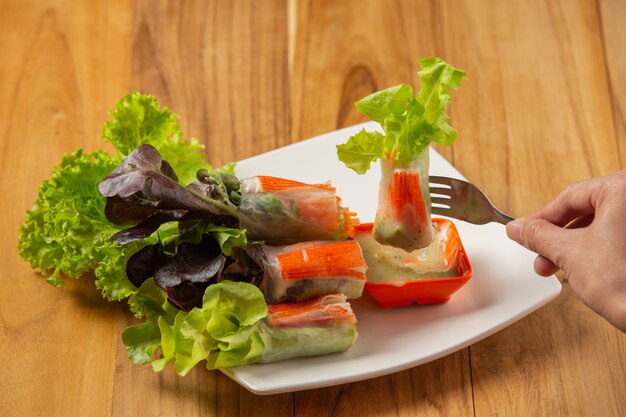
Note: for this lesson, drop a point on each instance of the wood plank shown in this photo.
(613, 16)
(435, 389)
(537, 116)
(54, 89)
(336, 60)
(222, 67)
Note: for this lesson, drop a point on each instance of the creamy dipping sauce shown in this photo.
(388, 264)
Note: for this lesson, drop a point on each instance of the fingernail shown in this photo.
(514, 229)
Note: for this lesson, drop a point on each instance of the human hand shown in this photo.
(583, 233)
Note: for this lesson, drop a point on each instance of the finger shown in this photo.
(578, 199)
(581, 222)
(541, 237)
(545, 267)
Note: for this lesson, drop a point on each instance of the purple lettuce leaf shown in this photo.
(143, 264)
(193, 265)
(246, 264)
(143, 191)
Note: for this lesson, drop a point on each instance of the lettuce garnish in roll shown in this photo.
(410, 123)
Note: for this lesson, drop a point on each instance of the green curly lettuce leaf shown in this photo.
(409, 123)
(137, 119)
(66, 232)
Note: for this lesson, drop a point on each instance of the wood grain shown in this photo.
(58, 346)
(222, 66)
(543, 106)
(425, 390)
(612, 15)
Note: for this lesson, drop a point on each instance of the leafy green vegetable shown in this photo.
(409, 123)
(390, 101)
(66, 232)
(111, 277)
(142, 340)
(361, 150)
(148, 301)
(226, 237)
(224, 331)
(143, 190)
(137, 119)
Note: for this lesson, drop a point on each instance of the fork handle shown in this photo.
(502, 218)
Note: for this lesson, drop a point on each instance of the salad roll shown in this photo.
(325, 324)
(282, 211)
(403, 216)
(409, 124)
(305, 270)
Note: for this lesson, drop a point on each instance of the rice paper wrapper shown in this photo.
(282, 211)
(403, 218)
(305, 270)
(318, 327)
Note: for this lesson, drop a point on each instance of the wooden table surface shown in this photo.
(544, 105)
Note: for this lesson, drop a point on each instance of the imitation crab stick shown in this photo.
(305, 270)
(403, 217)
(323, 310)
(283, 211)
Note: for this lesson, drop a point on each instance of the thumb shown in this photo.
(540, 236)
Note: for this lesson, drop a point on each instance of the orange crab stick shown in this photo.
(269, 183)
(403, 217)
(406, 199)
(323, 310)
(302, 271)
(283, 211)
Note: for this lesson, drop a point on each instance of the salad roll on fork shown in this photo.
(403, 216)
(282, 211)
(409, 125)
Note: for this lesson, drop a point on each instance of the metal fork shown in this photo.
(464, 201)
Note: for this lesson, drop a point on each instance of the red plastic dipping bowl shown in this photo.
(422, 289)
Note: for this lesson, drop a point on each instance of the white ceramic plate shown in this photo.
(503, 289)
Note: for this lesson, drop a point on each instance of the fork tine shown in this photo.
(441, 200)
(440, 191)
(441, 211)
(443, 186)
